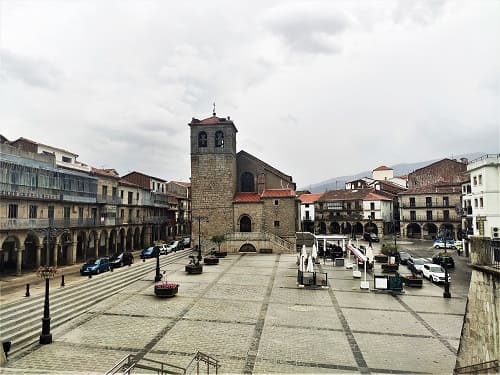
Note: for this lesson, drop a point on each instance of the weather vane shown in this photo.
(214, 109)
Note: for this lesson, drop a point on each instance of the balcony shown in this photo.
(108, 199)
(435, 217)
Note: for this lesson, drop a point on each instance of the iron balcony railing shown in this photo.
(27, 224)
(108, 199)
(434, 217)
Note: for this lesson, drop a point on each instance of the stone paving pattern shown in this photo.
(249, 313)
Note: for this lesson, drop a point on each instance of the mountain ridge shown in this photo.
(336, 183)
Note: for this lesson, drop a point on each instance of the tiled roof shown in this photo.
(309, 198)
(182, 183)
(383, 168)
(211, 120)
(434, 189)
(278, 193)
(105, 172)
(247, 198)
(351, 195)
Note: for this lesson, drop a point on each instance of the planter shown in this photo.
(220, 254)
(162, 291)
(194, 268)
(386, 267)
(412, 280)
(381, 258)
(211, 260)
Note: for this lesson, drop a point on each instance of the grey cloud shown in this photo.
(30, 71)
(307, 27)
(421, 12)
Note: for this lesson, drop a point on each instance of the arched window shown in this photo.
(219, 138)
(202, 139)
(247, 182)
(245, 224)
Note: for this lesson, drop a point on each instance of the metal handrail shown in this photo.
(120, 366)
(478, 367)
(199, 356)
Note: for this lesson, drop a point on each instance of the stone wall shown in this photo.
(253, 210)
(480, 338)
(284, 213)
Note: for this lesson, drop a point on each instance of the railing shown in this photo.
(201, 357)
(19, 224)
(123, 366)
(109, 199)
(435, 217)
(478, 368)
(260, 236)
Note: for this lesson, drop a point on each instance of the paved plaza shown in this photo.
(249, 313)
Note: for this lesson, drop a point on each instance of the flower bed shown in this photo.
(165, 289)
(412, 280)
(194, 268)
(220, 254)
(211, 260)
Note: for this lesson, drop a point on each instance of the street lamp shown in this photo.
(200, 218)
(158, 273)
(446, 293)
(47, 272)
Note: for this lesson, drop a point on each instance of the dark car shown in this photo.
(416, 265)
(95, 266)
(149, 252)
(403, 257)
(122, 259)
(367, 236)
(443, 260)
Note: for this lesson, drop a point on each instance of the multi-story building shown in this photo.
(181, 193)
(55, 210)
(307, 203)
(431, 205)
(481, 197)
(352, 212)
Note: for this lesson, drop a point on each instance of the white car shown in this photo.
(163, 248)
(416, 265)
(434, 272)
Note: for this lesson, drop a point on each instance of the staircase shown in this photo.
(127, 364)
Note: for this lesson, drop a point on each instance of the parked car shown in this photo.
(122, 259)
(416, 264)
(403, 257)
(174, 246)
(443, 259)
(367, 236)
(434, 272)
(149, 252)
(163, 248)
(186, 241)
(440, 244)
(95, 266)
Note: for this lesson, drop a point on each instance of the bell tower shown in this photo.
(213, 175)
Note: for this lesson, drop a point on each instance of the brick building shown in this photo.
(237, 195)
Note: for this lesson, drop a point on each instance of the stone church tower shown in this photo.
(213, 176)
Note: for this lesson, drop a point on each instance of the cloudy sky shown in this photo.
(317, 89)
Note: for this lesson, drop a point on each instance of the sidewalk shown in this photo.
(249, 313)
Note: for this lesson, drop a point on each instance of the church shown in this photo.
(235, 194)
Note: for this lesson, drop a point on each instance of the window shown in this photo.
(104, 190)
(33, 212)
(412, 202)
(372, 215)
(121, 194)
(276, 202)
(202, 139)
(245, 224)
(114, 192)
(137, 196)
(446, 201)
(428, 201)
(66, 159)
(474, 180)
(130, 197)
(67, 210)
(413, 215)
(481, 202)
(429, 215)
(372, 206)
(307, 205)
(276, 224)
(80, 212)
(219, 138)
(475, 202)
(50, 213)
(138, 213)
(130, 213)
(122, 213)
(12, 211)
(446, 215)
(307, 216)
(480, 179)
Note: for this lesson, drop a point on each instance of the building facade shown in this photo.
(237, 195)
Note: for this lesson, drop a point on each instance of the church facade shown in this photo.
(235, 194)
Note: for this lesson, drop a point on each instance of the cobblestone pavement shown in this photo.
(249, 313)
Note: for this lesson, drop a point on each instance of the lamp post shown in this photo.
(200, 218)
(158, 273)
(47, 272)
(446, 293)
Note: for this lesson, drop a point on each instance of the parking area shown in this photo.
(250, 314)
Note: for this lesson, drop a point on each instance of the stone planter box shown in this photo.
(220, 254)
(166, 292)
(381, 258)
(412, 280)
(211, 260)
(386, 267)
(194, 268)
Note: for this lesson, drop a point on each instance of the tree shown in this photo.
(218, 239)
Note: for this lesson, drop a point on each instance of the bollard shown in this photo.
(110, 269)
(90, 275)
(27, 290)
(62, 280)
(143, 259)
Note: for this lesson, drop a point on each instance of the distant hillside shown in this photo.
(336, 183)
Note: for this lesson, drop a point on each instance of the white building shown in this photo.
(484, 196)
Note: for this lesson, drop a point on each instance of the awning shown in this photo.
(357, 253)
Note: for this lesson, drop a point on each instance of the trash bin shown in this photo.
(339, 262)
